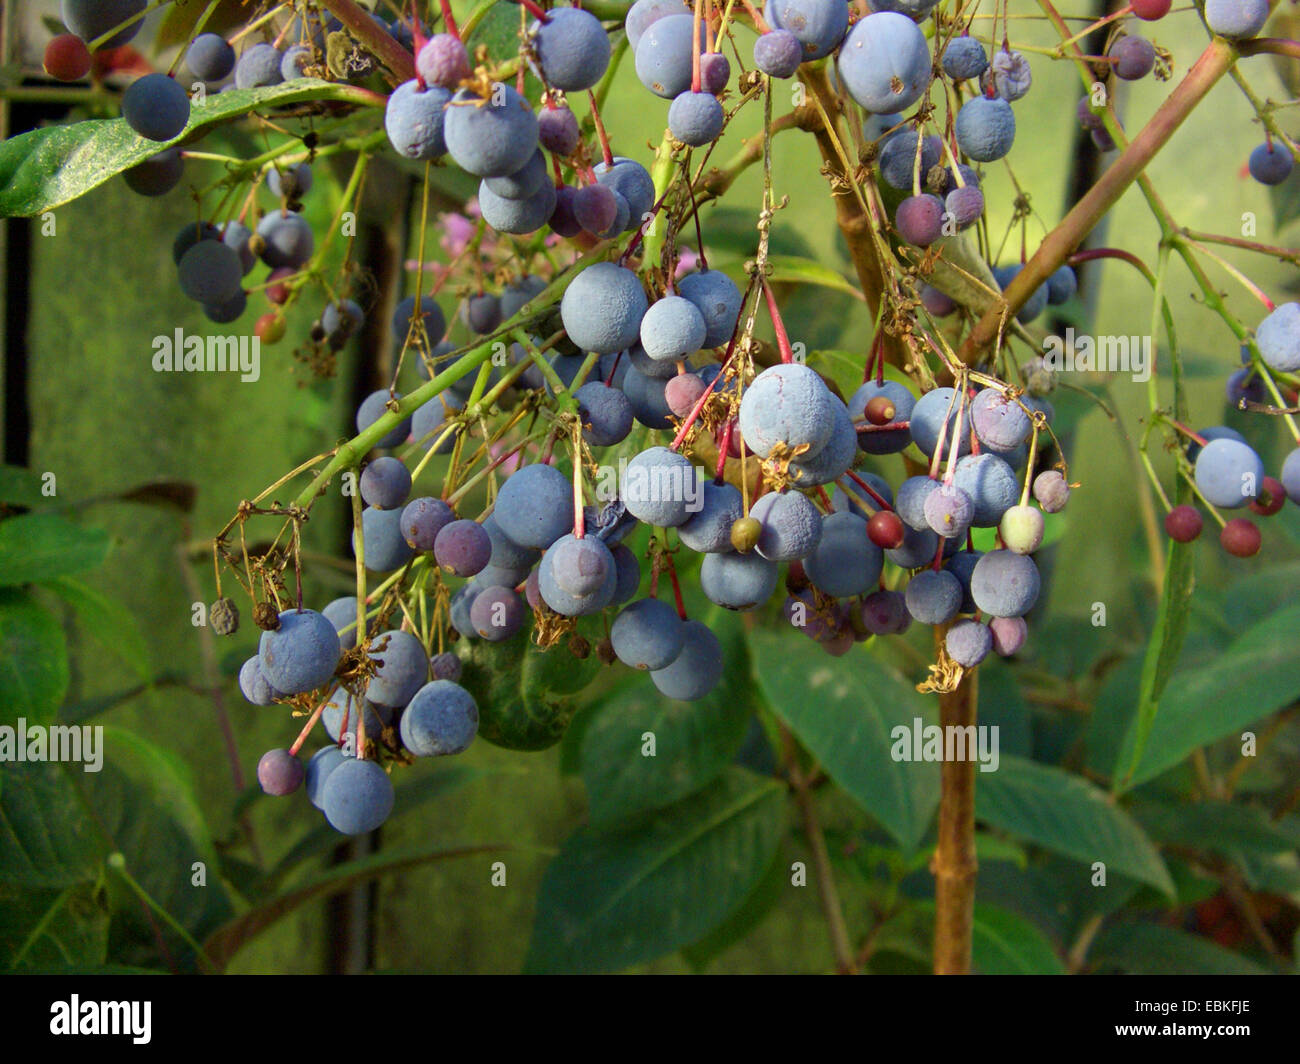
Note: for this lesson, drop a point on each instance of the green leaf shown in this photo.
(47, 837)
(1068, 815)
(324, 839)
(1256, 675)
(1162, 652)
(694, 741)
(797, 270)
(33, 659)
(20, 487)
(525, 695)
(1263, 848)
(1150, 949)
(109, 622)
(227, 940)
(146, 800)
(1006, 944)
(844, 711)
(752, 912)
(39, 546)
(42, 929)
(48, 167)
(608, 901)
(498, 31)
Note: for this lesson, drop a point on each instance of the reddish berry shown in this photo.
(1183, 523)
(1241, 538)
(881, 410)
(67, 57)
(269, 328)
(1271, 497)
(885, 529)
(1151, 10)
(276, 291)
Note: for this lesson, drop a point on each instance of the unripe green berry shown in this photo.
(1022, 529)
(745, 533)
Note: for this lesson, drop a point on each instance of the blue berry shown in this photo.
(524, 183)
(322, 763)
(445, 666)
(497, 613)
(572, 605)
(1035, 304)
(342, 614)
(441, 719)
(696, 670)
(1009, 75)
(1000, 423)
(991, 483)
(633, 182)
(605, 412)
(535, 506)
(968, 642)
(403, 670)
(933, 596)
(819, 25)
(647, 635)
(372, 408)
(1132, 58)
(581, 566)
(949, 511)
(787, 404)
(834, 459)
(845, 562)
(288, 237)
(602, 308)
(718, 300)
(695, 118)
(964, 58)
(1004, 584)
(385, 549)
(1270, 164)
(1278, 338)
(778, 53)
(644, 12)
(253, 684)
(90, 19)
(672, 328)
(357, 797)
(985, 128)
(1228, 473)
(791, 525)
(884, 62)
(1062, 285)
(492, 137)
(385, 483)
(462, 547)
(517, 216)
(661, 487)
(663, 55)
(927, 421)
(210, 272)
(738, 581)
(1235, 19)
(919, 219)
(301, 654)
(156, 107)
(572, 48)
(415, 120)
(258, 66)
(898, 158)
(708, 531)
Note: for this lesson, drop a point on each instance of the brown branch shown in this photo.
(1213, 63)
(827, 895)
(953, 863)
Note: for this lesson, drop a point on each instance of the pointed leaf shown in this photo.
(39, 546)
(33, 660)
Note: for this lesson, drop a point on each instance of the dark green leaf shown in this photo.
(227, 940)
(694, 741)
(33, 660)
(801, 271)
(844, 710)
(40, 546)
(1256, 675)
(525, 695)
(1162, 652)
(752, 912)
(47, 837)
(146, 800)
(109, 622)
(1006, 944)
(1068, 815)
(1150, 949)
(42, 929)
(608, 901)
(323, 839)
(47, 167)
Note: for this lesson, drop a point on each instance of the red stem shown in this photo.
(600, 131)
(449, 19)
(880, 502)
(782, 339)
